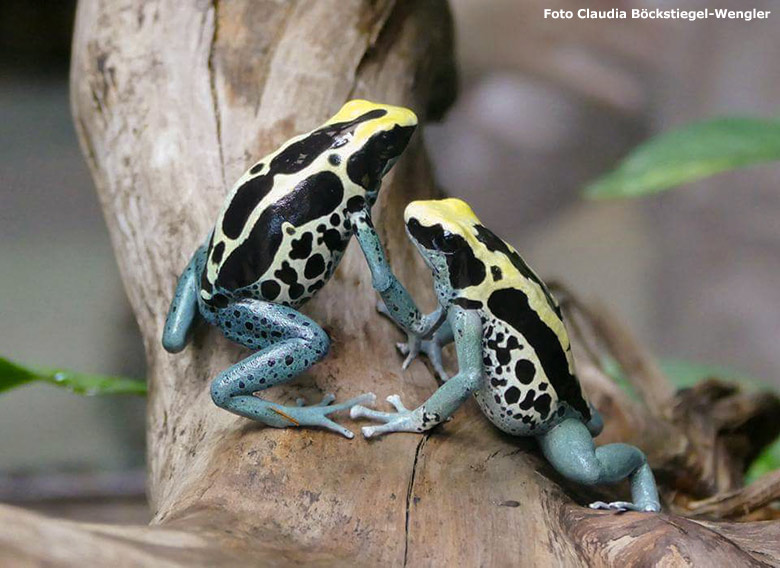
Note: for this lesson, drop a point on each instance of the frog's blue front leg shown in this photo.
(399, 303)
(467, 329)
(570, 449)
(288, 343)
(396, 303)
(183, 314)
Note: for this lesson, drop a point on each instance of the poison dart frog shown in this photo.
(277, 240)
(513, 353)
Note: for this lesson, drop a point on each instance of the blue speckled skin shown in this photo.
(566, 438)
(288, 344)
(276, 243)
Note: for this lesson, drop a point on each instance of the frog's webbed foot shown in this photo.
(415, 344)
(622, 506)
(317, 414)
(431, 348)
(403, 420)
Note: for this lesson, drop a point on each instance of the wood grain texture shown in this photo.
(172, 100)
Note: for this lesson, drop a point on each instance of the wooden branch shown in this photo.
(171, 101)
(740, 502)
(699, 440)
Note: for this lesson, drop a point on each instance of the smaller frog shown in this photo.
(281, 233)
(513, 353)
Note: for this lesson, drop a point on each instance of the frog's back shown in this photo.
(284, 226)
(530, 381)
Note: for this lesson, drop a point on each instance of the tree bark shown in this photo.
(172, 100)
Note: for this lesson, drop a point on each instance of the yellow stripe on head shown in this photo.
(454, 215)
(391, 117)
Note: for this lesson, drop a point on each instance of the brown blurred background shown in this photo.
(545, 106)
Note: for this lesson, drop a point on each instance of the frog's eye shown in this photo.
(440, 241)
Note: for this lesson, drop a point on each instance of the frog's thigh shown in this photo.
(570, 449)
(288, 343)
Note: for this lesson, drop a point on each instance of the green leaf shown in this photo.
(768, 460)
(691, 153)
(13, 375)
(684, 374)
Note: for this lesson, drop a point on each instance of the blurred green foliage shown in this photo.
(691, 153)
(13, 375)
(681, 156)
(685, 374)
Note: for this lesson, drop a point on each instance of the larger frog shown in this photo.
(513, 353)
(276, 242)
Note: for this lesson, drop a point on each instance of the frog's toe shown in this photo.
(614, 506)
(368, 398)
(395, 400)
(359, 411)
(338, 428)
(377, 430)
(368, 431)
(620, 506)
(327, 399)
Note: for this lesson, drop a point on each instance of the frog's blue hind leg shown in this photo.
(288, 343)
(569, 448)
(183, 315)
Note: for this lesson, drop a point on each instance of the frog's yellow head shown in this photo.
(445, 230)
(370, 137)
(431, 223)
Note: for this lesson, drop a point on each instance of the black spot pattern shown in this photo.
(525, 371)
(495, 271)
(296, 290)
(217, 252)
(316, 196)
(495, 244)
(314, 266)
(528, 402)
(301, 248)
(542, 405)
(356, 203)
(331, 238)
(511, 306)
(270, 289)
(512, 395)
(286, 273)
(502, 350)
